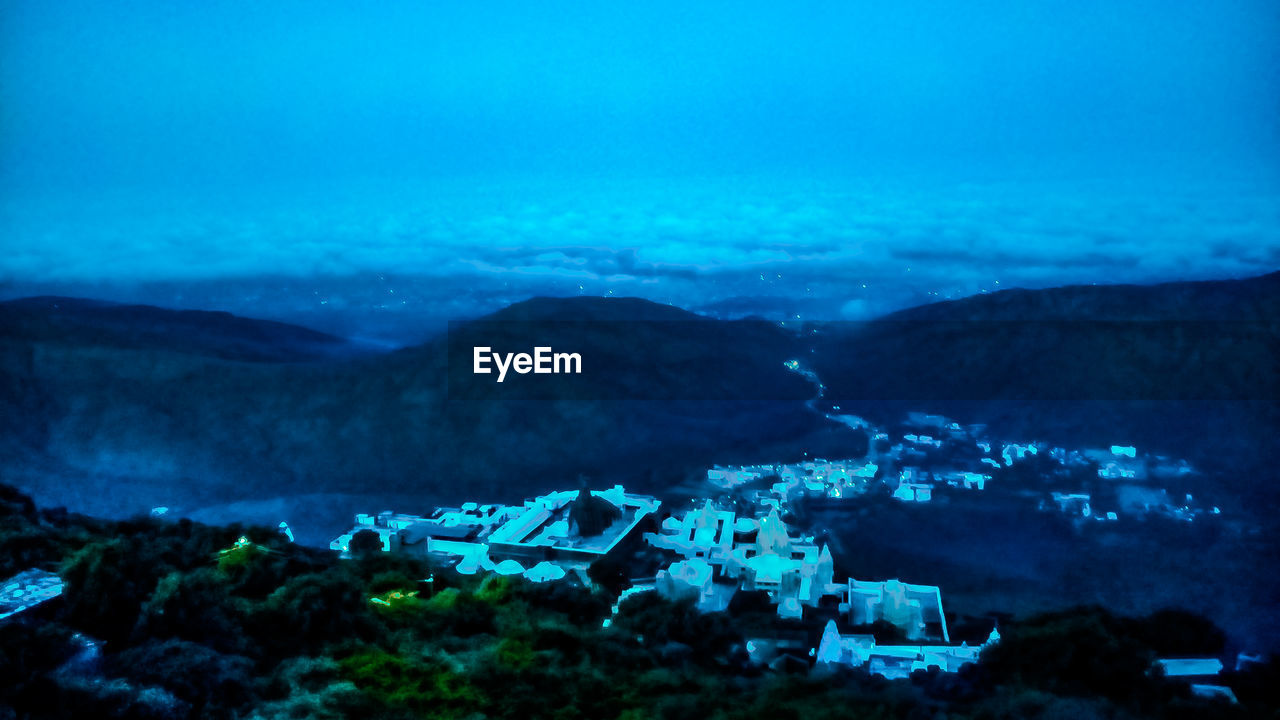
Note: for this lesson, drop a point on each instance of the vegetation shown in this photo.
(232, 622)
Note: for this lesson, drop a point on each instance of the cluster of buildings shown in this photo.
(894, 661)
(930, 439)
(894, 467)
(715, 551)
(1202, 674)
(713, 554)
(933, 451)
(1134, 500)
(721, 553)
(541, 539)
(786, 481)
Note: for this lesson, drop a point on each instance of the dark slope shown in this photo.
(1187, 368)
(1250, 299)
(584, 309)
(635, 350)
(146, 425)
(75, 321)
(134, 406)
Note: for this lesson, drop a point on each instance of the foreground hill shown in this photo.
(176, 620)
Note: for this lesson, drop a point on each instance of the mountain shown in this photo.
(121, 409)
(1183, 368)
(1254, 299)
(75, 321)
(115, 409)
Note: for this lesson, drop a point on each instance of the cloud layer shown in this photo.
(804, 249)
(964, 237)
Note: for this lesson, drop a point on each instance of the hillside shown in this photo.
(74, 321)
(1186, 368)
(117, 409)
(1254, 299)
(162, 619)
(98, 420)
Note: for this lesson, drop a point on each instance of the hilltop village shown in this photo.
(732, 542)
(708, 555)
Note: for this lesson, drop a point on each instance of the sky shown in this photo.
(327, 162)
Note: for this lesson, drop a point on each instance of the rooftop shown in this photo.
(545, 522)
(28, 589)
(1190, 667)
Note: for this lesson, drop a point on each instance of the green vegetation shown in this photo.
(282, 631)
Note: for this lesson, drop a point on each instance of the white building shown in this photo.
(690, 578)
(1073, 503)
(733, 477)
(27, 590)
(1012, 452)
(703, 533)
(893, 661)
(916, 609)
(743, 553)
(507, 539)
(912, 488)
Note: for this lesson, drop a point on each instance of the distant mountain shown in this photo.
(75, 321)
(1183, 368)
(116, 408)
(1249, 300)
(142, 406)
(589, 309)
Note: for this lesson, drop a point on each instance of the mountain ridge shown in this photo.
(1260, 294)
(1194, 300)
(662, 397)
(199, 332)
(397, 422)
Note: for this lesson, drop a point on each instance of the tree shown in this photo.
(420, 685)
(313, 610)
(364, 544)
(194, 606)
(1175, 632)
(106, 584)
(592, 515)
(1081, 652)
(215, 684)
(660, 621)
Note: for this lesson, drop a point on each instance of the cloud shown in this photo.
(856, 309)
(692, 242)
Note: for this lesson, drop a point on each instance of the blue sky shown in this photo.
(682, 151)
